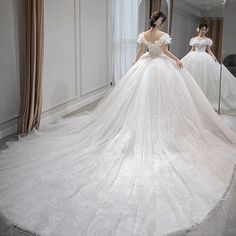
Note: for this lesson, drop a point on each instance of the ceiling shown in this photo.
(207, 5)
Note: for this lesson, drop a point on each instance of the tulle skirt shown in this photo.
(153, 158)
(207, 72)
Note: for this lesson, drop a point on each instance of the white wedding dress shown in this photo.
(206, 72)
(153, 158)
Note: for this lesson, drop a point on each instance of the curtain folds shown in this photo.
(31, 81)
(125, 32)
(155, 5)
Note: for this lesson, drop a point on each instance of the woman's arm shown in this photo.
(211, 53)
(172, 56)
(193, 48)
(140, 52)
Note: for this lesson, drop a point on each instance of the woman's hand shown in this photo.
(210, 52)
(140, 53)
(179, 64)
(172, 56)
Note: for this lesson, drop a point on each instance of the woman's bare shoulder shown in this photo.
(148, 34)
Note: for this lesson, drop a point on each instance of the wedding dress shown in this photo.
(206, 72)
(153, 158)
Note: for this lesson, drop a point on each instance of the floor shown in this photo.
(222, 223)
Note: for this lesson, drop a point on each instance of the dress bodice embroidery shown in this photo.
(201, 44)
(155, 48)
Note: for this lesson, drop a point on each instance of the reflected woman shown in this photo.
(205, 69)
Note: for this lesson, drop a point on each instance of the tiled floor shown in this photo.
(212, 227)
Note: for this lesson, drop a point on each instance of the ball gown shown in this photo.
(153, 158)
(206, 71)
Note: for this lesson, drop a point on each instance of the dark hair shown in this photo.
(201, 25)
(155, 16)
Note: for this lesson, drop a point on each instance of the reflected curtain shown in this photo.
(155, 5)
(215, 33)
(125, 32)
(31, 81)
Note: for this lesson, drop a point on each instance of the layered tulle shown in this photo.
(207, 73)
(153, 158)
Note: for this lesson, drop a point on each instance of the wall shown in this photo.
(229, 36)
(77, 64)
(77, 54)
(185, 20)
(9, 67)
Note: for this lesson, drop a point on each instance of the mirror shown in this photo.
(144, 11)
(196, 30)
(146, 8)
(228, 73)
(164, 9)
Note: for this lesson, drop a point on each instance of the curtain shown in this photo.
(31, 81)
(155, 5)
(215, 33)
(144, 15)
(125, 32)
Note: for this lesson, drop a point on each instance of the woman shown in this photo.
(204, 67)
(139, 164)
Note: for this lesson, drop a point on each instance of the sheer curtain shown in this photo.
(125, 32)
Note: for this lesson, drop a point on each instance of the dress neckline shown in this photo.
(201, 38)
(154, 41)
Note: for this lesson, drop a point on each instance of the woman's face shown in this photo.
(203, 30)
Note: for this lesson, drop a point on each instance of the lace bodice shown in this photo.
(155, 49)
(200, 44)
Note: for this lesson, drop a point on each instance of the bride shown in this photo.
(204, 67)
(153, 158)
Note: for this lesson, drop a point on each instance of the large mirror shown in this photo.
(228, 73)
(196, 29)
(164, 9)
(147, 7)
(151, 6)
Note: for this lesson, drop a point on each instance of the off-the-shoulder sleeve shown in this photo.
(209, 42)
(141, 38)
(166, 38)
(192, 42)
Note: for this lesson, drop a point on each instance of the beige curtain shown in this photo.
(155, 5)
(215, 33)
(31, 81)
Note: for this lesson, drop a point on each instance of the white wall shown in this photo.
(77, 54)
(9, 72)
(77, 62)
(59, 81)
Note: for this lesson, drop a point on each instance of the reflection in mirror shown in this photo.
(228, 75)
(146, 8)
(197, 37)
(144, 11)
(164, 9)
